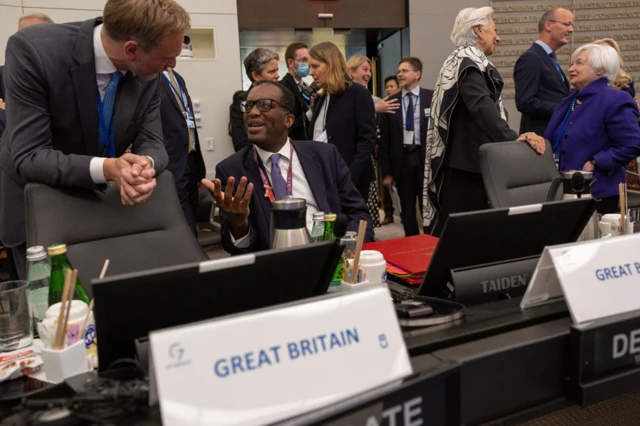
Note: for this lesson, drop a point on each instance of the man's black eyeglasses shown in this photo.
(264, 105)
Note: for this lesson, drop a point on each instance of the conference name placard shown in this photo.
(274, 364)
(598, 278)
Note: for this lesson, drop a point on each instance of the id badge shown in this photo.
(408, 137)
(188, 116)
(323, 137)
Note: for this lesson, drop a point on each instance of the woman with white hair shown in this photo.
(466, 112)
(595, 128)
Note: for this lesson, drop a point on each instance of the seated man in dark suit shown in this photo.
(182, 143)
(318, 174)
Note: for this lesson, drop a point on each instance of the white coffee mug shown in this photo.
(612, 219)
(374, 266)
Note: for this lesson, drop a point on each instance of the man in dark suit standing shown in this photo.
(181, 142)
(274, 167)
(540, 82)
(403, 142)
(297, 58)
(79, 95)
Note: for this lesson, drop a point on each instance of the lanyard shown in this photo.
(561, 129)
(180, 95)
(324, 117)
(108, 136)
(406, 107)
(267, 185)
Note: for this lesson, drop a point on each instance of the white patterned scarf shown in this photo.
(445, 98)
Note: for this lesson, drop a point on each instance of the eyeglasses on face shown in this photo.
(404, 71)
(567, 24)
(264, 105)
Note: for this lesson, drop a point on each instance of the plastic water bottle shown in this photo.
(317, 230)
(38, 273)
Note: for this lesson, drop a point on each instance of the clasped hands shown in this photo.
(134, 176)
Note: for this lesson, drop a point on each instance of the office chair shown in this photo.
(96, 226)
(208, 230)
(515, 175)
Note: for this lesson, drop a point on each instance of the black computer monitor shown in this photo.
(129, 306)
(487, 236)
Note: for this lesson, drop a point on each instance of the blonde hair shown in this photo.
(622, 79)
(329, 54)
(147, 22)
(356, 62)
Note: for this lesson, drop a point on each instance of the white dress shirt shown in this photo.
(416, 112)
(104, 68)
(300, 185)
(321, 121)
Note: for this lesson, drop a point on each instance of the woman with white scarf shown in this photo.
(466, 112)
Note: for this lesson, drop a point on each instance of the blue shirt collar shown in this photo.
(544, 46)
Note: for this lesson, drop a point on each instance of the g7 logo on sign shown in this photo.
(176, 352)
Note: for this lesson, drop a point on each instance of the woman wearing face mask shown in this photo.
(343, 114)
(297, 58)
(595, 128)
(466, 112)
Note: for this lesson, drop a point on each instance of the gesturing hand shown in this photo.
(236, 207)
(387, 106)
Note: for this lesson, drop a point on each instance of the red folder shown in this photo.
(412, 254)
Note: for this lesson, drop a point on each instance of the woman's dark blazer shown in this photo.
(351, 127)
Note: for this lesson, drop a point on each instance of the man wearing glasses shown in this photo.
(540, 82)
(403, 142)
(274, 167)
(297, 58)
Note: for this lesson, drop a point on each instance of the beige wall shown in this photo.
(212, 81)
(430, 25)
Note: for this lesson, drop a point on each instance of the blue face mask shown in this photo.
(303, 70)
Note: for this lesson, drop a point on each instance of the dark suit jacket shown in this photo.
(476, 119)
(327, 175)
(604, 128)
(236, 119)
(175, 131)
(539, 88)
(392, 135)
(52, 122)
(299, 129)
(351, 127)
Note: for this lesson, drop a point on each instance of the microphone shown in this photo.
(578, 183)
(340, 226)
(309, 92)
